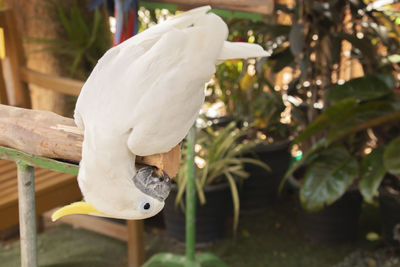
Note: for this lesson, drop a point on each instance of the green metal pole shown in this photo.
(191, 197)
(190, 259)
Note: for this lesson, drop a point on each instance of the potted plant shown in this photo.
(219, 166)
(325, 43)
(260, 191)
(251, 101)
(348, 155)
(389, 189)
(318, 44)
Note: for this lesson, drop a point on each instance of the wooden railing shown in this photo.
(51, 82)
(41, 136)
(264, 7)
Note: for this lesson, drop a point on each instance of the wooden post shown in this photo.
(3, 89)
(27, 215)
(136, 253)
(14, 60)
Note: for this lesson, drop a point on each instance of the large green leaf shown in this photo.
(360, 118)
(305, 159)
(388, 79)
(364, 88)
(327, 178)
(391, 157)
(329, 117)
(235, 199)
(371, 173)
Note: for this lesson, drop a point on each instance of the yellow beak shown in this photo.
(80, 207)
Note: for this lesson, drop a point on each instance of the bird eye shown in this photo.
(145, 206)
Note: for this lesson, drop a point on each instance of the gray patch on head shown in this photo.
(152, 184)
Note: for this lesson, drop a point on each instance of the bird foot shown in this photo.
(153, 182)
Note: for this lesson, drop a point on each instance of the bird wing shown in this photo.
(182, 60)
(150, 88)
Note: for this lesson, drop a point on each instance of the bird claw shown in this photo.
(153, 182)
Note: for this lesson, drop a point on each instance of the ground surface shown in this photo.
(272, 239)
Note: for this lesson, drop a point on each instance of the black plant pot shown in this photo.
(260, 190)
(211, 217)
(336, 223)
(389, 200)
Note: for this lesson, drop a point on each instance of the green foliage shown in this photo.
(243, 87)
(337, 118)
(361, 118)
(86, 40)
(333, 162)
(327, 178)
(376, 165)
(247, 99)
(220, 154)
(372, 172)
(354, 111)
(362, 89)
(329, 118)
(313, 47)
(391, 157)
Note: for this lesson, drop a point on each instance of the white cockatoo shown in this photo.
(141, 99)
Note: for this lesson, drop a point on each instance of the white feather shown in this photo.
(141, 99)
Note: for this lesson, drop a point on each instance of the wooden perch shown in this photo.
(46, 134)
(264, 7)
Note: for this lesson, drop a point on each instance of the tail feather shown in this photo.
(235, 50)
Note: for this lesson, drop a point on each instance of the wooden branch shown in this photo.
(46, 134)
(264, 7)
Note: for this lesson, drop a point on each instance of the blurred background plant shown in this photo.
(353, 133)
(244, 88)
(219, 158)
(330, 42)
(87, 38)
(345, 40)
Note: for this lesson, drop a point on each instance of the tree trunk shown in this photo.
(37, 19)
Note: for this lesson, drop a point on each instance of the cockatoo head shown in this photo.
(140, 197)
